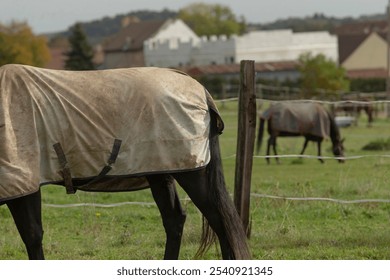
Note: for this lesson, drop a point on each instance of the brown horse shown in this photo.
(309, 120)
(56, 127)
(354, 109)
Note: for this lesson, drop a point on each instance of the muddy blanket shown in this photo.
(57, 126)
(301, 118)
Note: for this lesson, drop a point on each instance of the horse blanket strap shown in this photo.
(111, 160)
(114, 152)
(65, 172)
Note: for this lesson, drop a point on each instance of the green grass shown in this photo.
(281, 228)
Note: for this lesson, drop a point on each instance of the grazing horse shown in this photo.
(354, 109)
(300, 119)
(114, 130)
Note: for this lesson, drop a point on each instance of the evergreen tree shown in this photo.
(80, 56)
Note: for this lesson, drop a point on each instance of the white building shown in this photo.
(170, 46)
(262, 46)
(126, 48)
(284, 45)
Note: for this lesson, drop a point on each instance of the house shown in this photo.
(260, 46)
(362, 49)
(57, 58)
(126, 48)
(171, 46)
(284, 45)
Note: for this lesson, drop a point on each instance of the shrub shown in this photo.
(378, 145)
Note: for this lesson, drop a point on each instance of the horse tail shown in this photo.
(260, 135)
(219, 195)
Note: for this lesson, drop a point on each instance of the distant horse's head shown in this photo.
(338, 150)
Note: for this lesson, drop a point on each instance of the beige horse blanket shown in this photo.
(301, 118)
(68, 126)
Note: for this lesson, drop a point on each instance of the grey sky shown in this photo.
(57, 15)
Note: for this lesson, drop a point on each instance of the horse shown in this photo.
(354, 109)
(58, 126)
(309, 120)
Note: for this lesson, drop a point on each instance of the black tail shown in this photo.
(260, 135)
(219, 195)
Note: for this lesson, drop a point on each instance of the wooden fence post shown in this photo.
(245, 141)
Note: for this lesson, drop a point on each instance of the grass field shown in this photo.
(281, 228)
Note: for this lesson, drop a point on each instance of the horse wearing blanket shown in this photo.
(114, 130)
(300, 119)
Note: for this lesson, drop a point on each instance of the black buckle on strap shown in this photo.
(65, 171)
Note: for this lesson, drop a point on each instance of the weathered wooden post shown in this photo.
(245, 141)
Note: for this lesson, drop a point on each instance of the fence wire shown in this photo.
(257, 195)
(326, 199)
(327, 102)
(322, 157)
(99, 205)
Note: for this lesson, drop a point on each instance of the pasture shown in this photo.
(281, 228)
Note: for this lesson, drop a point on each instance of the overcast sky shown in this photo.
(58, 15)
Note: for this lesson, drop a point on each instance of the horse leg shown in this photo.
(304, 145)
(319, 151)
(26, 212)
(369, 112)
(195, 185)
(269, 143)
(273, 143)
(173, 216)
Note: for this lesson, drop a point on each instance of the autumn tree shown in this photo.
(18, 44)
(211, 19)
(319, 72)
(80, 55)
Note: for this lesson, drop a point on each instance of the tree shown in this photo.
(213, 19)
(80, 56)
(319, 72)
(18, 44)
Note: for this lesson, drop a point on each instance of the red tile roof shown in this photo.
(351, 35)
(347, 44)
(132, 37)
(367, 73)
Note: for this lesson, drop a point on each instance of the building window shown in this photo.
(229, 59)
